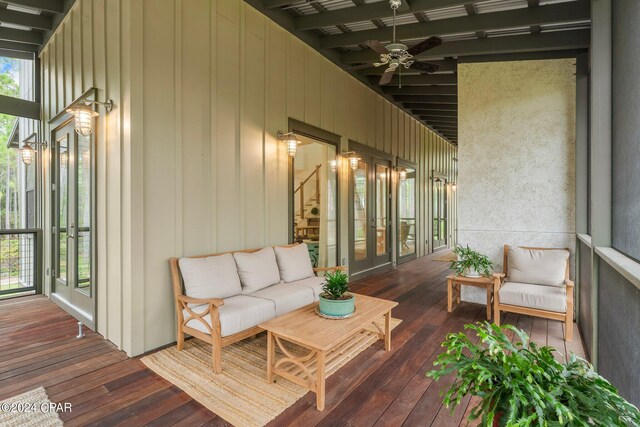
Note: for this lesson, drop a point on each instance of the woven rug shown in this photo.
(18, 416)
(240, 394)
(447, 257)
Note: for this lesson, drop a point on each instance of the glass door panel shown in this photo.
(369, 214)
(407, 213)
(360, 211)
(382, 209)
(73, 213)
(439, 212)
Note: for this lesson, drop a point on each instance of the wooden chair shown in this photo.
(214, 337)
(566, 317)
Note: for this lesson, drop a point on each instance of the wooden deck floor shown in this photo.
(38, 348)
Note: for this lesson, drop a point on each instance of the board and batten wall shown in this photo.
(188, 161)
(517, 157)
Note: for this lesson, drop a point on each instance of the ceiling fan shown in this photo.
(396, 55)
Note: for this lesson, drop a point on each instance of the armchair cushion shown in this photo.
(238, 313)
(550, 298)
(286, 297)
(542, 267)
(314, 283)
(294, 262)
(211, 277)
(257, 270)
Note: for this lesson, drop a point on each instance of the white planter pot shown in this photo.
(472, 273)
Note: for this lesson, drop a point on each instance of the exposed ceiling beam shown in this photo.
(429, 112)
(19, 107)
(20, 47)
(522, 56)
(366, 12)
(550, 14)
(55, 6)
(421, 90)
(440, 99)
(422, 80)
(441, 107)
(21, 36)
(438, 124)
(40, 22)
(17, 54)
(557, 40)
(444, 65)
(440, 119)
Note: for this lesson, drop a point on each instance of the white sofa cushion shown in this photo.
(294, 262)
(286, 297)
(542, 267)
(211, 277)
(257, 270)
(238, 313)
(551, 298)
(314, 283)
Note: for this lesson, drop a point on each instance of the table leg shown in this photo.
(449, 295)
(459, 289)
(271, 356)
(387, 331)
(320, 380)
(488, 303)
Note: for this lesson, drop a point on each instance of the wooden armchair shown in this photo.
(213, 335)
(548, 300)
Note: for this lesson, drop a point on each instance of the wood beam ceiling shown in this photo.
(432, 98)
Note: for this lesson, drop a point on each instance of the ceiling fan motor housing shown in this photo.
(395, 4)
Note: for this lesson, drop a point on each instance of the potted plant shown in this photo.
(335, 300)
(470, 263)
(521, 384)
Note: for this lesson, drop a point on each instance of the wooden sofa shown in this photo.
(201, 317)
(535, 297)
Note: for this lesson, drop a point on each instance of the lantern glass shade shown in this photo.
(454, 187)
(83, 118)
(353, 163)
(333, 164)
(64, 159)
(403, 174)
(27, 154)
(292, 146)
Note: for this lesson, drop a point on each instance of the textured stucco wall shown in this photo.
(516, 182)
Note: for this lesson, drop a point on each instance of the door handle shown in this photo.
(72, 234)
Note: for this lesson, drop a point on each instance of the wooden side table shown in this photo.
(454, 283)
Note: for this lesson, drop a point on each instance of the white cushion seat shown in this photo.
(238, 313)
(286, 297)
(314, 283)
(541, 297)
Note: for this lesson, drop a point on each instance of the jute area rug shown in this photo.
(25, 410)
(240, 394)
(448, 257)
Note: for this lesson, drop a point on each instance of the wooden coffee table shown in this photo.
(327, 342)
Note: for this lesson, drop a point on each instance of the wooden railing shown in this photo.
(300, 189)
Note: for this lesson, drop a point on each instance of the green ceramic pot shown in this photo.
(337, 308)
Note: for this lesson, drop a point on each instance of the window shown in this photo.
(407, 214)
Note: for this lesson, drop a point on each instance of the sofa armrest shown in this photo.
(498, 278)
(569, 284)
(217, 302)
(338, 268)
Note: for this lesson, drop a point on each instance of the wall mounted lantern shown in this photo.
(353, 158)
(291, 141)
(333, 164)
(27, 153)
(402, 173)
(84, 114)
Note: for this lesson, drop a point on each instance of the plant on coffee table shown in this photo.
(335, 300)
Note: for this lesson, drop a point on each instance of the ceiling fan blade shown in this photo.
(358, 67)
(376, 46)
(425, 67)
(386, 77)
(425, 45)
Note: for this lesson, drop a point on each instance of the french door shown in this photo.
(72, 241)
(439, 191)
(370, 214)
